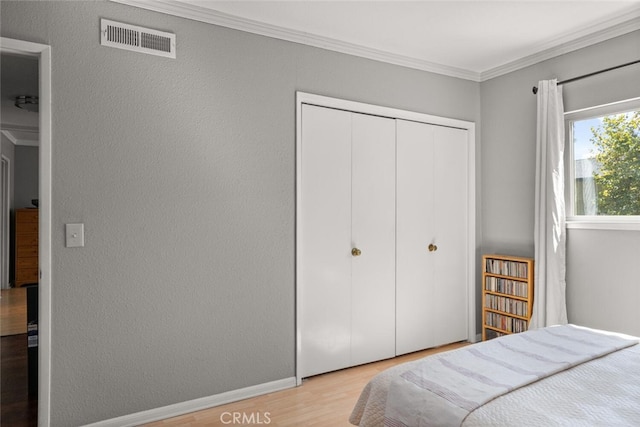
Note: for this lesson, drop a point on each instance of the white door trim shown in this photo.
(43, 53)
(358, 107)
(5, 231)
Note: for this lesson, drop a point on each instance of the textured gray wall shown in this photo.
(602, 289)
(26, 173)
(183, 172)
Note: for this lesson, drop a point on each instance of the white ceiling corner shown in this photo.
(579, 39)
(19, 77)
(474, 39)
(29, 137)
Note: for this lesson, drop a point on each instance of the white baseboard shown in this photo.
(195, 405)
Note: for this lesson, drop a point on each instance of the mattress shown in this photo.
(602, 391)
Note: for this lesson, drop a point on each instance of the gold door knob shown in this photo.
(356, 252)
(432, 247)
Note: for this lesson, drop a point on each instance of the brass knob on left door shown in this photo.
(356, 252)
(432, 247)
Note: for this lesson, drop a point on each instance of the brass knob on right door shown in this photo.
(432, 247)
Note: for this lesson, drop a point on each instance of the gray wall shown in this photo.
(183, 173)
(26, 172)
(602, 267)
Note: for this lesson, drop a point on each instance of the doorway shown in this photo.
(43, 55)
(5, 214)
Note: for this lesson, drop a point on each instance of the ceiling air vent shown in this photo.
(138, 39)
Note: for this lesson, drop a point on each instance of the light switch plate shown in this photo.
(75, 235)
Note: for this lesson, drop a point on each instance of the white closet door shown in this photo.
(415, 285)
(325, 241)
(373, 233)
(431, 285)
(451, 234)
(348, 202)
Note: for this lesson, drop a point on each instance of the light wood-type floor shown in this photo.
(13, 311)
(323, 401)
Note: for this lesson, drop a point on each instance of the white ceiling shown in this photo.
(19, 76)
(473, 39)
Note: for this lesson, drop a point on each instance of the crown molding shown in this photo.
(570, 42)
(209, 16)
(9, 136)
(8, 131)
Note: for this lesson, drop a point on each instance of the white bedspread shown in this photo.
(604, 392)
(442, 390)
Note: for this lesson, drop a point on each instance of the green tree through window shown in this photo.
(617, 152)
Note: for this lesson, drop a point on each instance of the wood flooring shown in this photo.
(13, 311)
(323, 400)
(17, 408)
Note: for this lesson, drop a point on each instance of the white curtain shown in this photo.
(549, 307)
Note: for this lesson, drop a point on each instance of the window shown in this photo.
(603, 165)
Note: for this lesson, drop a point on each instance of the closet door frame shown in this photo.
(393, 113)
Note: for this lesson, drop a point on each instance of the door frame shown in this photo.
(394, 113)
(5, 229)
(43, 53)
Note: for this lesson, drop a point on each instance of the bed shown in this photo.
(556, 376)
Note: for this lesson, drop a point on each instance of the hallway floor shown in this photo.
(17, 408)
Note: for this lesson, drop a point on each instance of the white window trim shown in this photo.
(601, 222)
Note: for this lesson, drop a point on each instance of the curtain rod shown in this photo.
(535, 88)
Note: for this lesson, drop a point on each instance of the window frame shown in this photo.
(593, 222)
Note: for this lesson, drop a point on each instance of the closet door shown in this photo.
(451, 233)
(346, 240)
(324, 241)
(373, 233)
(431, 285)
